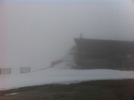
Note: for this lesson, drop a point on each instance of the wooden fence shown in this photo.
(9, 70)
(24, 69)
(5, 70)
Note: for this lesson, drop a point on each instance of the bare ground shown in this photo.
(92, 90)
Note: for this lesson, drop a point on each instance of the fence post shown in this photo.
(24, 69)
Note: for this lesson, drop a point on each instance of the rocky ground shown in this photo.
(92, 90)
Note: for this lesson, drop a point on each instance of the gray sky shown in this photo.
(40, 31)
(59, 1)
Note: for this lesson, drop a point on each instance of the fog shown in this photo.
(38, 32)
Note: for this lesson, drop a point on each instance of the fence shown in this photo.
(7, 71)
(24, 69)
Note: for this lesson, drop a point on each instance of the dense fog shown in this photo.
(40, 31)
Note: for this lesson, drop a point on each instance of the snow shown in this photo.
(11, 94)
(59, 75)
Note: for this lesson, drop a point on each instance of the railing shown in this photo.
(21, 70)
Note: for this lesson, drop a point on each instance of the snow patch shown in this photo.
(60, 76)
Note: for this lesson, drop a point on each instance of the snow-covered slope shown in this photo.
(53, 75)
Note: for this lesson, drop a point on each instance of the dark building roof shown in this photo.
(82, 41)
(104, 45)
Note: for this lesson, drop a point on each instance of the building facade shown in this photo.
(113, 54)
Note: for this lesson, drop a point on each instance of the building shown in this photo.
(96, 53)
